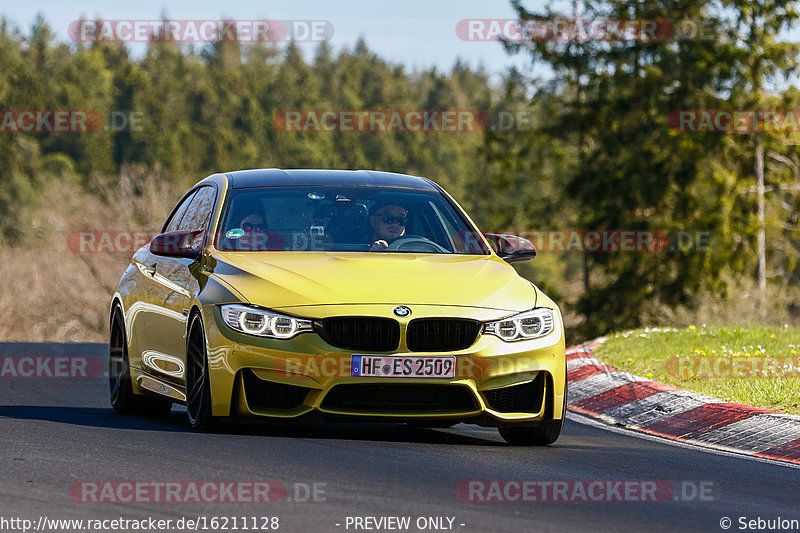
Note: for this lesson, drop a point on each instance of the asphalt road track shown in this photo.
(55, 432)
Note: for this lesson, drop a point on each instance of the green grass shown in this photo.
(729, 363)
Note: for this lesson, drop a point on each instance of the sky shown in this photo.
(417, 33)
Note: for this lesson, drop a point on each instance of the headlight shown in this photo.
(524, 326)
(263, 323)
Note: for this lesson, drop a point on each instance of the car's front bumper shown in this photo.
(495, 382)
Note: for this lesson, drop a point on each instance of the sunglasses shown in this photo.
(254, 227)
(389, 219)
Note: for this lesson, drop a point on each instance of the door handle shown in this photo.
(151, 269)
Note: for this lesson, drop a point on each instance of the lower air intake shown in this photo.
(400, 398)
(265, 395)
(525, 398)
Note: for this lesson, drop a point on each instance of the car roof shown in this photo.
(274, 177)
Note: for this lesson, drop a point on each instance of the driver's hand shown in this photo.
(377, 246)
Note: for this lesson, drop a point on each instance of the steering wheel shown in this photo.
(415, 244)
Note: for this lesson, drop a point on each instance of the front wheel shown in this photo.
(545, 433)
(198, 388)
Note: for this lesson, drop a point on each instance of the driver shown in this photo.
(388, 221)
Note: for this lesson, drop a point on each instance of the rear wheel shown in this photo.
(123, 399)
(198, 389)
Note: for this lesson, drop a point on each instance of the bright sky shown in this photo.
(418, 33)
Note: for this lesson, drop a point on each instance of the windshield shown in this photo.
(345, 219)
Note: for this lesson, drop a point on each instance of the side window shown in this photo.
(198, 214)
(172, 224)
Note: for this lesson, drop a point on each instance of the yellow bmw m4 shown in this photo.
(335, 295)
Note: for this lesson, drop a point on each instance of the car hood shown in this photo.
(288, 279)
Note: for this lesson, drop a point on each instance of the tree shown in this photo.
(760, 58)
(634, 172)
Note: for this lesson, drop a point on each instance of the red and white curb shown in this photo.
(601, 391)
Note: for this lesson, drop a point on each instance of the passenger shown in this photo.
(257, 237)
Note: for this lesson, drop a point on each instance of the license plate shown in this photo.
(383, 366)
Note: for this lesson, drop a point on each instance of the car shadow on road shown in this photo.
(103, 417)
(91, 417)
(377, 432)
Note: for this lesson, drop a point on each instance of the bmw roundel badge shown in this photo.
(401, 311)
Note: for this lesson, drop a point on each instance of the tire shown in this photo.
(545, 433)
(121, 395)
(198, 388)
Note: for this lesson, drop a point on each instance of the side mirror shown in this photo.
(511, 248)
(187, 244)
